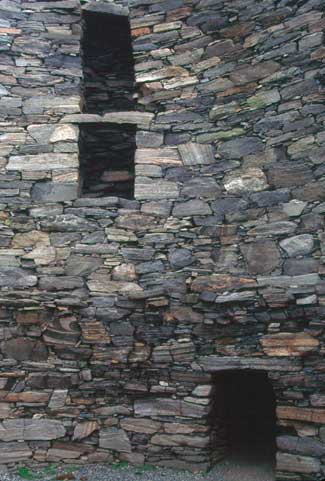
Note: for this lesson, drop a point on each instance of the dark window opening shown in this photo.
(107, 150)
(243, 421)
(108, 65)
(107, 160)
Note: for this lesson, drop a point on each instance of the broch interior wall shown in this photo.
(117, 314)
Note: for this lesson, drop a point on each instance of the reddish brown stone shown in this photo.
(138, 32)
(289, 344)
(221, 282)
(301, 414)
(23, 349)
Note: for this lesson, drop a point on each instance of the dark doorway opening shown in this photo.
(106, 150)
(244, 423)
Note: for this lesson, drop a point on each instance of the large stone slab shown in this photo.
(298, 245)
(305, 445)
(115, 440)
(194, 154)
(289, 344)
(14, 277)
(180, 440)
(301, 414)
(39, 162)
(140, 425)
(297, 464)
(156, 191)
(54, 191)
(215, 363)
(14, 452)
(31, 430)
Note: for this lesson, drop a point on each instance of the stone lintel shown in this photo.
(108, 8)
(228, 363)
(141, 119)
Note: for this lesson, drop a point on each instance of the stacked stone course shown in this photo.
(117, 314)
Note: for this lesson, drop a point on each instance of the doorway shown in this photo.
(244, 425)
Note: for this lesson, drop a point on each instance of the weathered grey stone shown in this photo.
(179, 258)
(23, 349)
(163, 190)
(223, 110)
(274, 228)
(295, 267)
(142, 119)
(107, 8)
(263, 99)
(115, 440)
(180, 440)
(149, 139)
(191, 207)
(58, 283)
(43, 104)
(63, 133)
(136, 425)
(85, 429)
(31, 429)
(163, 73)
(68, 223)
(168, 407)
(250, 73)
(13, 277)
(43, 162)
(250, 180)
(237, 148)
(297, 463)
(269, 198)
(294, 208)
(311, 41)
(54, 192)
(287, 281)
(262, 257)
(193, 154)
(82, 266)
(206, 186)
(58, 399)
(298, 245)
(15, 452)
(41, 133)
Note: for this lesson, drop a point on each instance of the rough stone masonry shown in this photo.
(117, 313)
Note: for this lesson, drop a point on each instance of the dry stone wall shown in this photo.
(116, 314)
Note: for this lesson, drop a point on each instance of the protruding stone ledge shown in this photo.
(141, 119)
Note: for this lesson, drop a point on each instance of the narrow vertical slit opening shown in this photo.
(108, 65)
(107, 150)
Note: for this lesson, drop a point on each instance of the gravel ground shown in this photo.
(232, 469)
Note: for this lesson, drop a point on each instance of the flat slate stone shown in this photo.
(14, 277)
(298, 245)
(191, 207)
(41, 162)
(14, 452)
(194, 154)
(31, 430)
(115, 440)
(106, 8)
(54, 192)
